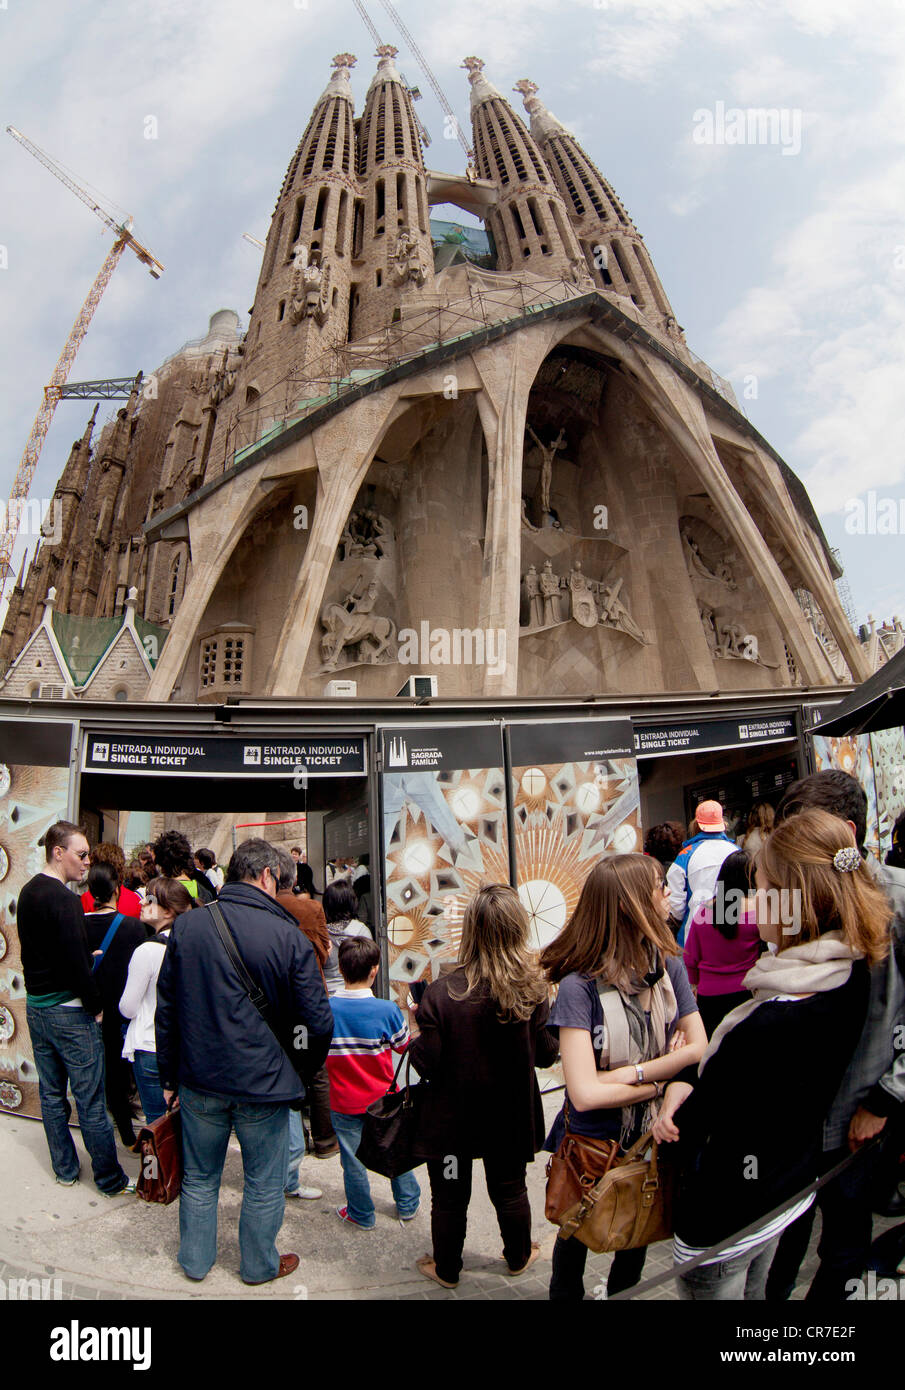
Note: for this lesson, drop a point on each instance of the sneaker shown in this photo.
(404, 1220)
(68, 1182)
(124, 1191)
(309, 1194)
(343, 1214)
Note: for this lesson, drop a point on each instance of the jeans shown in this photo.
(147, 1079)
(262, 1128)
(450, 1180)
(727, 1281)
(406, 1188)
(297, 1151)
(569, 1260)
(68, 1047)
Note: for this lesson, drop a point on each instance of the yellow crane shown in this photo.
(123, 234)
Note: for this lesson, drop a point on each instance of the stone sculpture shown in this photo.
(354, 622)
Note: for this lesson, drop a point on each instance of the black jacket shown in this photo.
(113, 971)
(55, 957)
(210, 1036)
(482, 1097)
(763, 1096)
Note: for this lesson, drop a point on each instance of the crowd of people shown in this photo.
(744, 1003)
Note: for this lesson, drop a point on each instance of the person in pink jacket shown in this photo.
(723, 942)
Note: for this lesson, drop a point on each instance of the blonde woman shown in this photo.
(627, 1022)
(482, 1033)
(749, 1125)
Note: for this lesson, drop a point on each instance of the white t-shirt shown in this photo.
(139, 1001)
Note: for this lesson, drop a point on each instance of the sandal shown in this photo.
(535, 1255)
(427, 1267)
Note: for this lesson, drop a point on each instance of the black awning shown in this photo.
(878, 703)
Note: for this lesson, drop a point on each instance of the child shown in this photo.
(366, 1031)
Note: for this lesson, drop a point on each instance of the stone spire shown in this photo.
(392, 237)
(613, 248)
(529, 224)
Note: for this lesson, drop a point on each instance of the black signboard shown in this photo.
(347, 832)
(439, 748)
(694, 736)
(578, 741)
(35, 742)
(196, 755)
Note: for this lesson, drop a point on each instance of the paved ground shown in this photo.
(122, 1248)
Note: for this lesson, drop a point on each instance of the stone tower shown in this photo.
(70, 490)
(612, 246)
(530, 223)
(394, 256)
(301, 307)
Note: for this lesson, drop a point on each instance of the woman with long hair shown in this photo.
(482, 1033)
(627, 1023)
(165, 900)
(750, 1123)
(340, 908)
(724, 942)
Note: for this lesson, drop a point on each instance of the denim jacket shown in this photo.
(876, 1074)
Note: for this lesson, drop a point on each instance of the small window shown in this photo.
(121, 694)
(208, 663)
(379, 278)
(281, 311)
(233, 657)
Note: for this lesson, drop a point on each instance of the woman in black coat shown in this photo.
(482, 1032)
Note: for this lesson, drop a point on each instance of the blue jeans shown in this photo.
(406, 1189)
(297, 1151)
(262, 1129)
(147, 1079)
(68, 1047)
(744, 1277)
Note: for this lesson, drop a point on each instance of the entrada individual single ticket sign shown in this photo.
(693, 737)
(198, 756)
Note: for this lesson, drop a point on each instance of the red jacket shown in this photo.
(128, 903)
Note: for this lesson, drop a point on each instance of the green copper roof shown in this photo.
(83, 641)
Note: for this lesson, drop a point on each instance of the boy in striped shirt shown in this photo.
(366, 1032)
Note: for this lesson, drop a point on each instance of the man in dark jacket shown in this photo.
(230, 1067)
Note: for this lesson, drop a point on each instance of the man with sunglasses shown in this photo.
(63, 1009)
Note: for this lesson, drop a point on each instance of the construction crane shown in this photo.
(422, 63)
(52, 392)
(412, 91)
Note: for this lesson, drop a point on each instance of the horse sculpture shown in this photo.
(373, 633)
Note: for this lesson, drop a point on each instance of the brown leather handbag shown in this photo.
(630, 1206)
(574, 1169)
(160, 1179)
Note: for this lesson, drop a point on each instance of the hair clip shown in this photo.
(846, 860)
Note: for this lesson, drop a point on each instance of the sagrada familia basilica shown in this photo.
(413, 440)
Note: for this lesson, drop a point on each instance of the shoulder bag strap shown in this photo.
(617, 1037)
(253, 990)
(111, 932)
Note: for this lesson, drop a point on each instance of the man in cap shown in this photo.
(692, 876)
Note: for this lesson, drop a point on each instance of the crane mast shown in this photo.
(28, 464)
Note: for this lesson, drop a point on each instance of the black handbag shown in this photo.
(391, 1128)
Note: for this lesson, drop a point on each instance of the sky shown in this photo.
(781, 247)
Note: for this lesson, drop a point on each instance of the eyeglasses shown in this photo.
(82, 854)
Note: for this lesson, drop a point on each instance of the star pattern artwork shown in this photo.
(428, 881)
(567, 816)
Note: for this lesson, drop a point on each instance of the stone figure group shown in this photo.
(364, 536)
(590, 602)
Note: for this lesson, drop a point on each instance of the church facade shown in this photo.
(508, 472)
